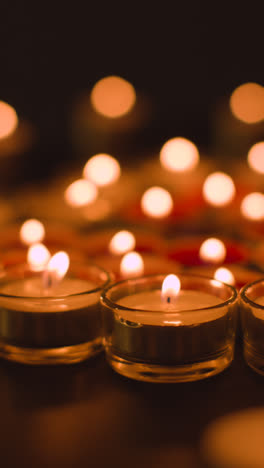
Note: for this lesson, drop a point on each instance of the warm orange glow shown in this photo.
(56, 269)
(156, 202)
(113, 97)
(102, 169)
(212, 250)
(38, 257)
(32, 231)
(247, 103)
(170, 287)
(122, 242)
(252, 206)
(80, 193)
(224, 275)
(179, 155)
(256, 157)
(219, 189)
(8, 119)
(131, 265)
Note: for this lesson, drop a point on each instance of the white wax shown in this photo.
(187, 308)
(39, 297)
(236, 440)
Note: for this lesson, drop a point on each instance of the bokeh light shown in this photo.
(38, 256)
(113, 96)
(252, 206)
(212, 251)
(156, 202)
(224, 275)
(247, 103)
(102, 169)
(256, 157)
(219, 189)
(80, 193)
(122, 242)
(131, 265)
(31, 232)
(179, 155)
(8, 120)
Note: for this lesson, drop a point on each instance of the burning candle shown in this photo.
(168, 329)
(49, 316)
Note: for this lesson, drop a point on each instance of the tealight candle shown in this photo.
(155, 331)
(252, 319)
(48, 320)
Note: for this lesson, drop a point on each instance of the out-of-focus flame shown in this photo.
(122, 242)
(252, 206)
(224, 275)
(179, 155)
(131, 265)
(170, 288)
(56, 269)
(32, 231)
(156, 202)
(218, 189)
(256, 157)
(38, 257)
(113, 96)
(102, 169)
(80, 193)
(247, 103)
(212, 250)
(8, 120)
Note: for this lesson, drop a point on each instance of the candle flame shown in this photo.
(252, 206)
(56, 269)
(131, 265)
(212, 250)
(113, 97)
(122, 242)
(156, 202)
(102, 169)
(224, 275)
(219, 189)
(247, 103)
(8, 120)
(38, 257)
(80, 193)
(179, 155)
(170, 288)
(32, 231)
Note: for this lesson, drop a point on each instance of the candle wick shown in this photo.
(168, 299)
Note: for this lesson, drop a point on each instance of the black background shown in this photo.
(185, 57)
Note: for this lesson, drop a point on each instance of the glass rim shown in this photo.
(105, 283)
(245, 298)
(114, 305)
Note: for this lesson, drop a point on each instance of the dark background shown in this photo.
(185, 58)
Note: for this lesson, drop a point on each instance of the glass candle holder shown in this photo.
(145, 339)
(252, 322)
(63, 326)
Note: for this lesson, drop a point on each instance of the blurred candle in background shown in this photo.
(112, 117)
(237, 122)
(16, 138)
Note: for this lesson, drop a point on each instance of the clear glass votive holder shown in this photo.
(57, 326)
(252, 323)
(184, 343)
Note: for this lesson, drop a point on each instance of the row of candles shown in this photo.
(162, 327)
